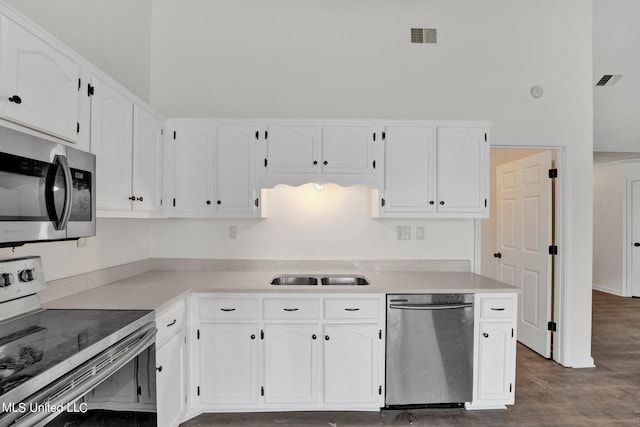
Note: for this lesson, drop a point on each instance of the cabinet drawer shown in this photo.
(343, 308)
(228, 308)
(170, 320)
(291, 308)
(496, 307)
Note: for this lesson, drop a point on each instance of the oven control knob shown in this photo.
(26, 275)
(6, 279)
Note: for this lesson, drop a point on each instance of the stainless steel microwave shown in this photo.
(47, 190)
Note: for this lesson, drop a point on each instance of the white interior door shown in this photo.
(635, 238)
(524, 227)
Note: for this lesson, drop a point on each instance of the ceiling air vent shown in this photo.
(609, 79)
(424, 35)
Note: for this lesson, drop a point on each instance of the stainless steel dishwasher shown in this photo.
(429, 350)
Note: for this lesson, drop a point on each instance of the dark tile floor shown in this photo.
(547, 394)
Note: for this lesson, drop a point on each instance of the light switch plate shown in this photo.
(403, 232)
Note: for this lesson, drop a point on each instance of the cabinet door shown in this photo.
(351, 364)
(39, 85)
(235, 169)
(462, 170)
(409, 169)
(118, 391)
(147, 161)
(228, 363)
(495, 361)
(111, 142)
(291, 363)
(192, 162)
(171, 380)
(293, 149)
(347, 149)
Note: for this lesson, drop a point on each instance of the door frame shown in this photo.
(560, 307)
(627, 227)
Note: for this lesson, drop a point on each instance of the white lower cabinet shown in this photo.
(352, 373)
(287, 352)
(171, 380)
(171, 364)
(494, 351)
(228, 356)
(291, 368)
(294, 351)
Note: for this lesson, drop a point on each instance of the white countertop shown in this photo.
(154, 290)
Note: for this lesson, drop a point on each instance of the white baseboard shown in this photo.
(582, 362)
(608, 290)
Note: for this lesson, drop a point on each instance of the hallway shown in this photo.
(547, 394)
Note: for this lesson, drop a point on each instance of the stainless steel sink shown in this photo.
(294, 281)
(344, 281)
(328, 280)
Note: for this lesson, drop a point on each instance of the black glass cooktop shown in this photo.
(35, 343)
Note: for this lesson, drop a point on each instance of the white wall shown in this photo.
(117, 242)
(114, 35)
(616, 48)
(337, 59)
(609, 225)
(305, 223)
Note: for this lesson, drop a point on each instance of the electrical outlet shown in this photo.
(233, 231)
(420, 233)
(403, 232)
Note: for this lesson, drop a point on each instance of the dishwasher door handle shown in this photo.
(430, 306)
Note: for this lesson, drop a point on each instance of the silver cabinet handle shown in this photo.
(486, 335)
(430, 306)
(68, 183)
(497, 309)
(172, 323)
(227, 309)
(351, 309)
(290, 309)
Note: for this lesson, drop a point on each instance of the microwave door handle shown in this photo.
(68, 184)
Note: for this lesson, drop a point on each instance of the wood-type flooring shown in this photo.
(547, 394)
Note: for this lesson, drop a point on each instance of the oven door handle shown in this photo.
(68, 184)
(430, 306)
(86, 377)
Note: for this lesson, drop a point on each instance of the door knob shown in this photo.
(497, 255)
(636, 244)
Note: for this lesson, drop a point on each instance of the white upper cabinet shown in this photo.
(292, 149)
(344, 153)
(148, 161)
(463, 170)
(111, 142)
(211, 170)
(410, 163)
(39, 86)
(235, 170)
(435, 171)
(190, 171)
(347, 149)
(128, 145)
